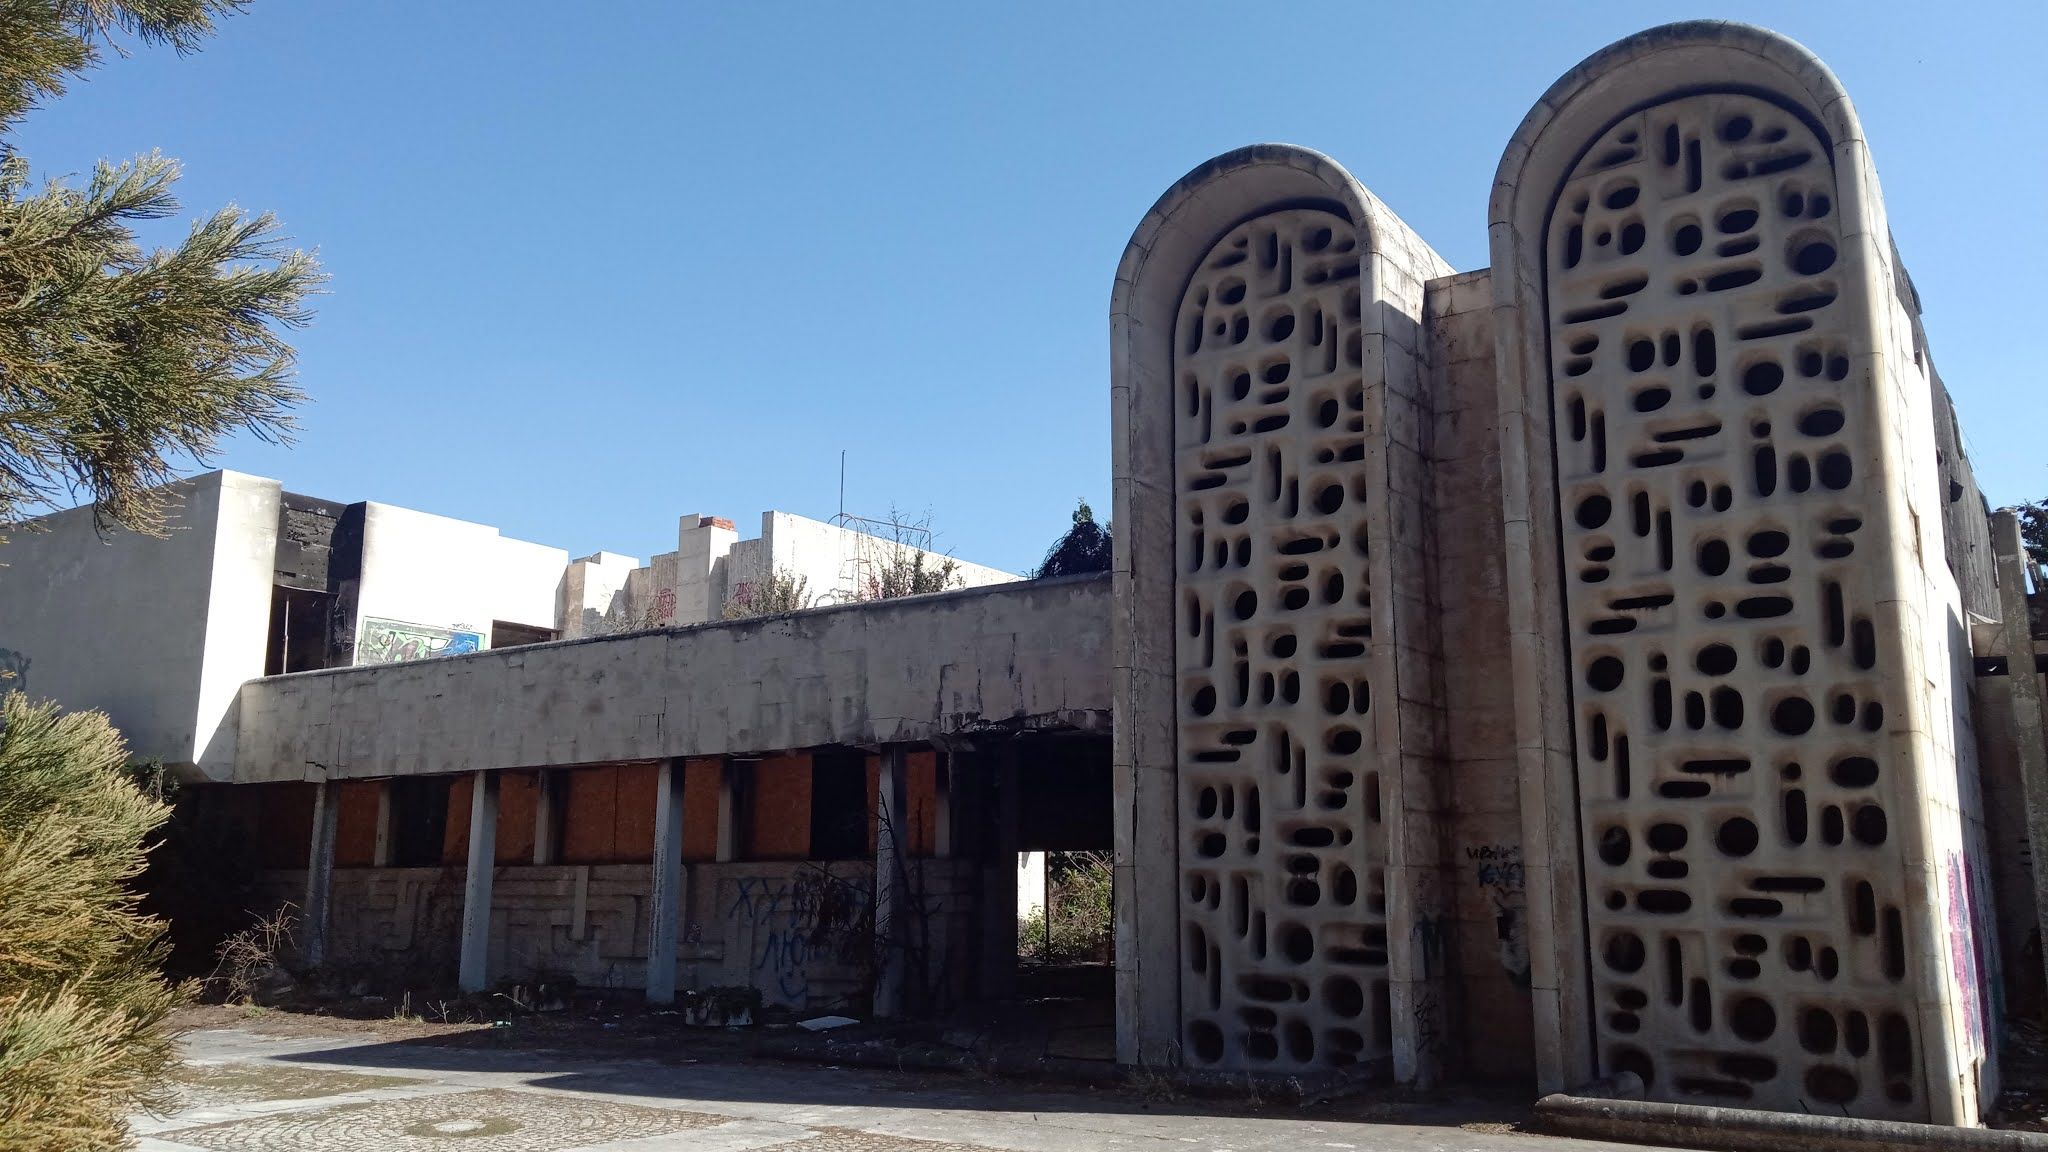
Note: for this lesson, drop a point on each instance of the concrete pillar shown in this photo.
(728, 809)
(894, 918)
(995, 764)
(547, 817)
(2028, 718)
(387, 841)
(942, 806)
(319, 874)
(475, 973)
(667, 903)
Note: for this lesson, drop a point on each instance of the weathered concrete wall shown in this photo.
(1739, 650)
(158, 633)
(1030, 654)
(796, 930)
(1483, 807)
(451, 575)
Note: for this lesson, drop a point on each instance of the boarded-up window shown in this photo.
(608, 814)
(355, 824)
(778, 801)
(700, 809)
(518, 795)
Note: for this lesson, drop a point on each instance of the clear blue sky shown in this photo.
(597, 266)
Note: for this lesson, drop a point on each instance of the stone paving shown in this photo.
(241, 1091)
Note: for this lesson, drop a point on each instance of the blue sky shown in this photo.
(594, 267)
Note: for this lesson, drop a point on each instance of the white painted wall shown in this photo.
(838, 564)
(439, 572)
(157, 633)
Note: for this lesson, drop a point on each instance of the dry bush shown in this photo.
(247, 959)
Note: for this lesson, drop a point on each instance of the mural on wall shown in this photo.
(395, 641)
(13, 670)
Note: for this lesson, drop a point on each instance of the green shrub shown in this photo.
(82, 1002)
(1079, 905)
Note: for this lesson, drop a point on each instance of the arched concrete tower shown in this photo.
(1279, 845)
(1735, 645)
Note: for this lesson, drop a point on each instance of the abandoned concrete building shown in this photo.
(1586, 664)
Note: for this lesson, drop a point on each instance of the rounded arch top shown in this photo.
(1649, 67)
(1223, 192)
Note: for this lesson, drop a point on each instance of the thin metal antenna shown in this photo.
(842, 485)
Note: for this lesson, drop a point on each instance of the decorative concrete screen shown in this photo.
(1278, 840)
(1283, 840)
(1759, 806)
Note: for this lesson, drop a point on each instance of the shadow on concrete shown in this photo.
(716, 1073)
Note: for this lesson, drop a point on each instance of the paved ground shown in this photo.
(364, 1093)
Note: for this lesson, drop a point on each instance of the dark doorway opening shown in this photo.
(301, 631)
(839, 804)
(419, 820)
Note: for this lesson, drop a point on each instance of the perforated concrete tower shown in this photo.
(1733, 656)
(1276, 728)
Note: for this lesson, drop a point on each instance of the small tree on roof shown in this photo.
(1086, 547)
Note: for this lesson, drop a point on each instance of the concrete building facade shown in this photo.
(1596, 663)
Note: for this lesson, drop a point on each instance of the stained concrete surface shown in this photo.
(242, 1090)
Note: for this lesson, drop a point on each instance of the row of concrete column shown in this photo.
(998, 902)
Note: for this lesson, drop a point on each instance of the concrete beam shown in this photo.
(2016, 642)
(893, 915)
(666, 901)
(319, 874)
(474, 974)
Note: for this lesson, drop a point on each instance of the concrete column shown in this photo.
(547, 817)
(942, 806)
(387, 841)
(894, 918)
(476, 889)
(728, 809)
(996, 766)
(2028, 718)
(319, 874)
(667, 904)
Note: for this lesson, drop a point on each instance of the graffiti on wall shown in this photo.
(395, 641)
(1963, 953)
(664, 611)
(13, 671)
(800, 924)
(1497, 869)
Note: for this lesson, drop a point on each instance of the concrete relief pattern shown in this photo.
(1744, 871)
(1282, 852)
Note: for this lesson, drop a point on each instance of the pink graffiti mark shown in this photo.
(665, 605)
(1961, 954)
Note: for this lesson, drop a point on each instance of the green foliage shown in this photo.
(2033, 519)
(81, 1000)
(783, 591)
(1080, 908)
(1084, 548)
(117, 363)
